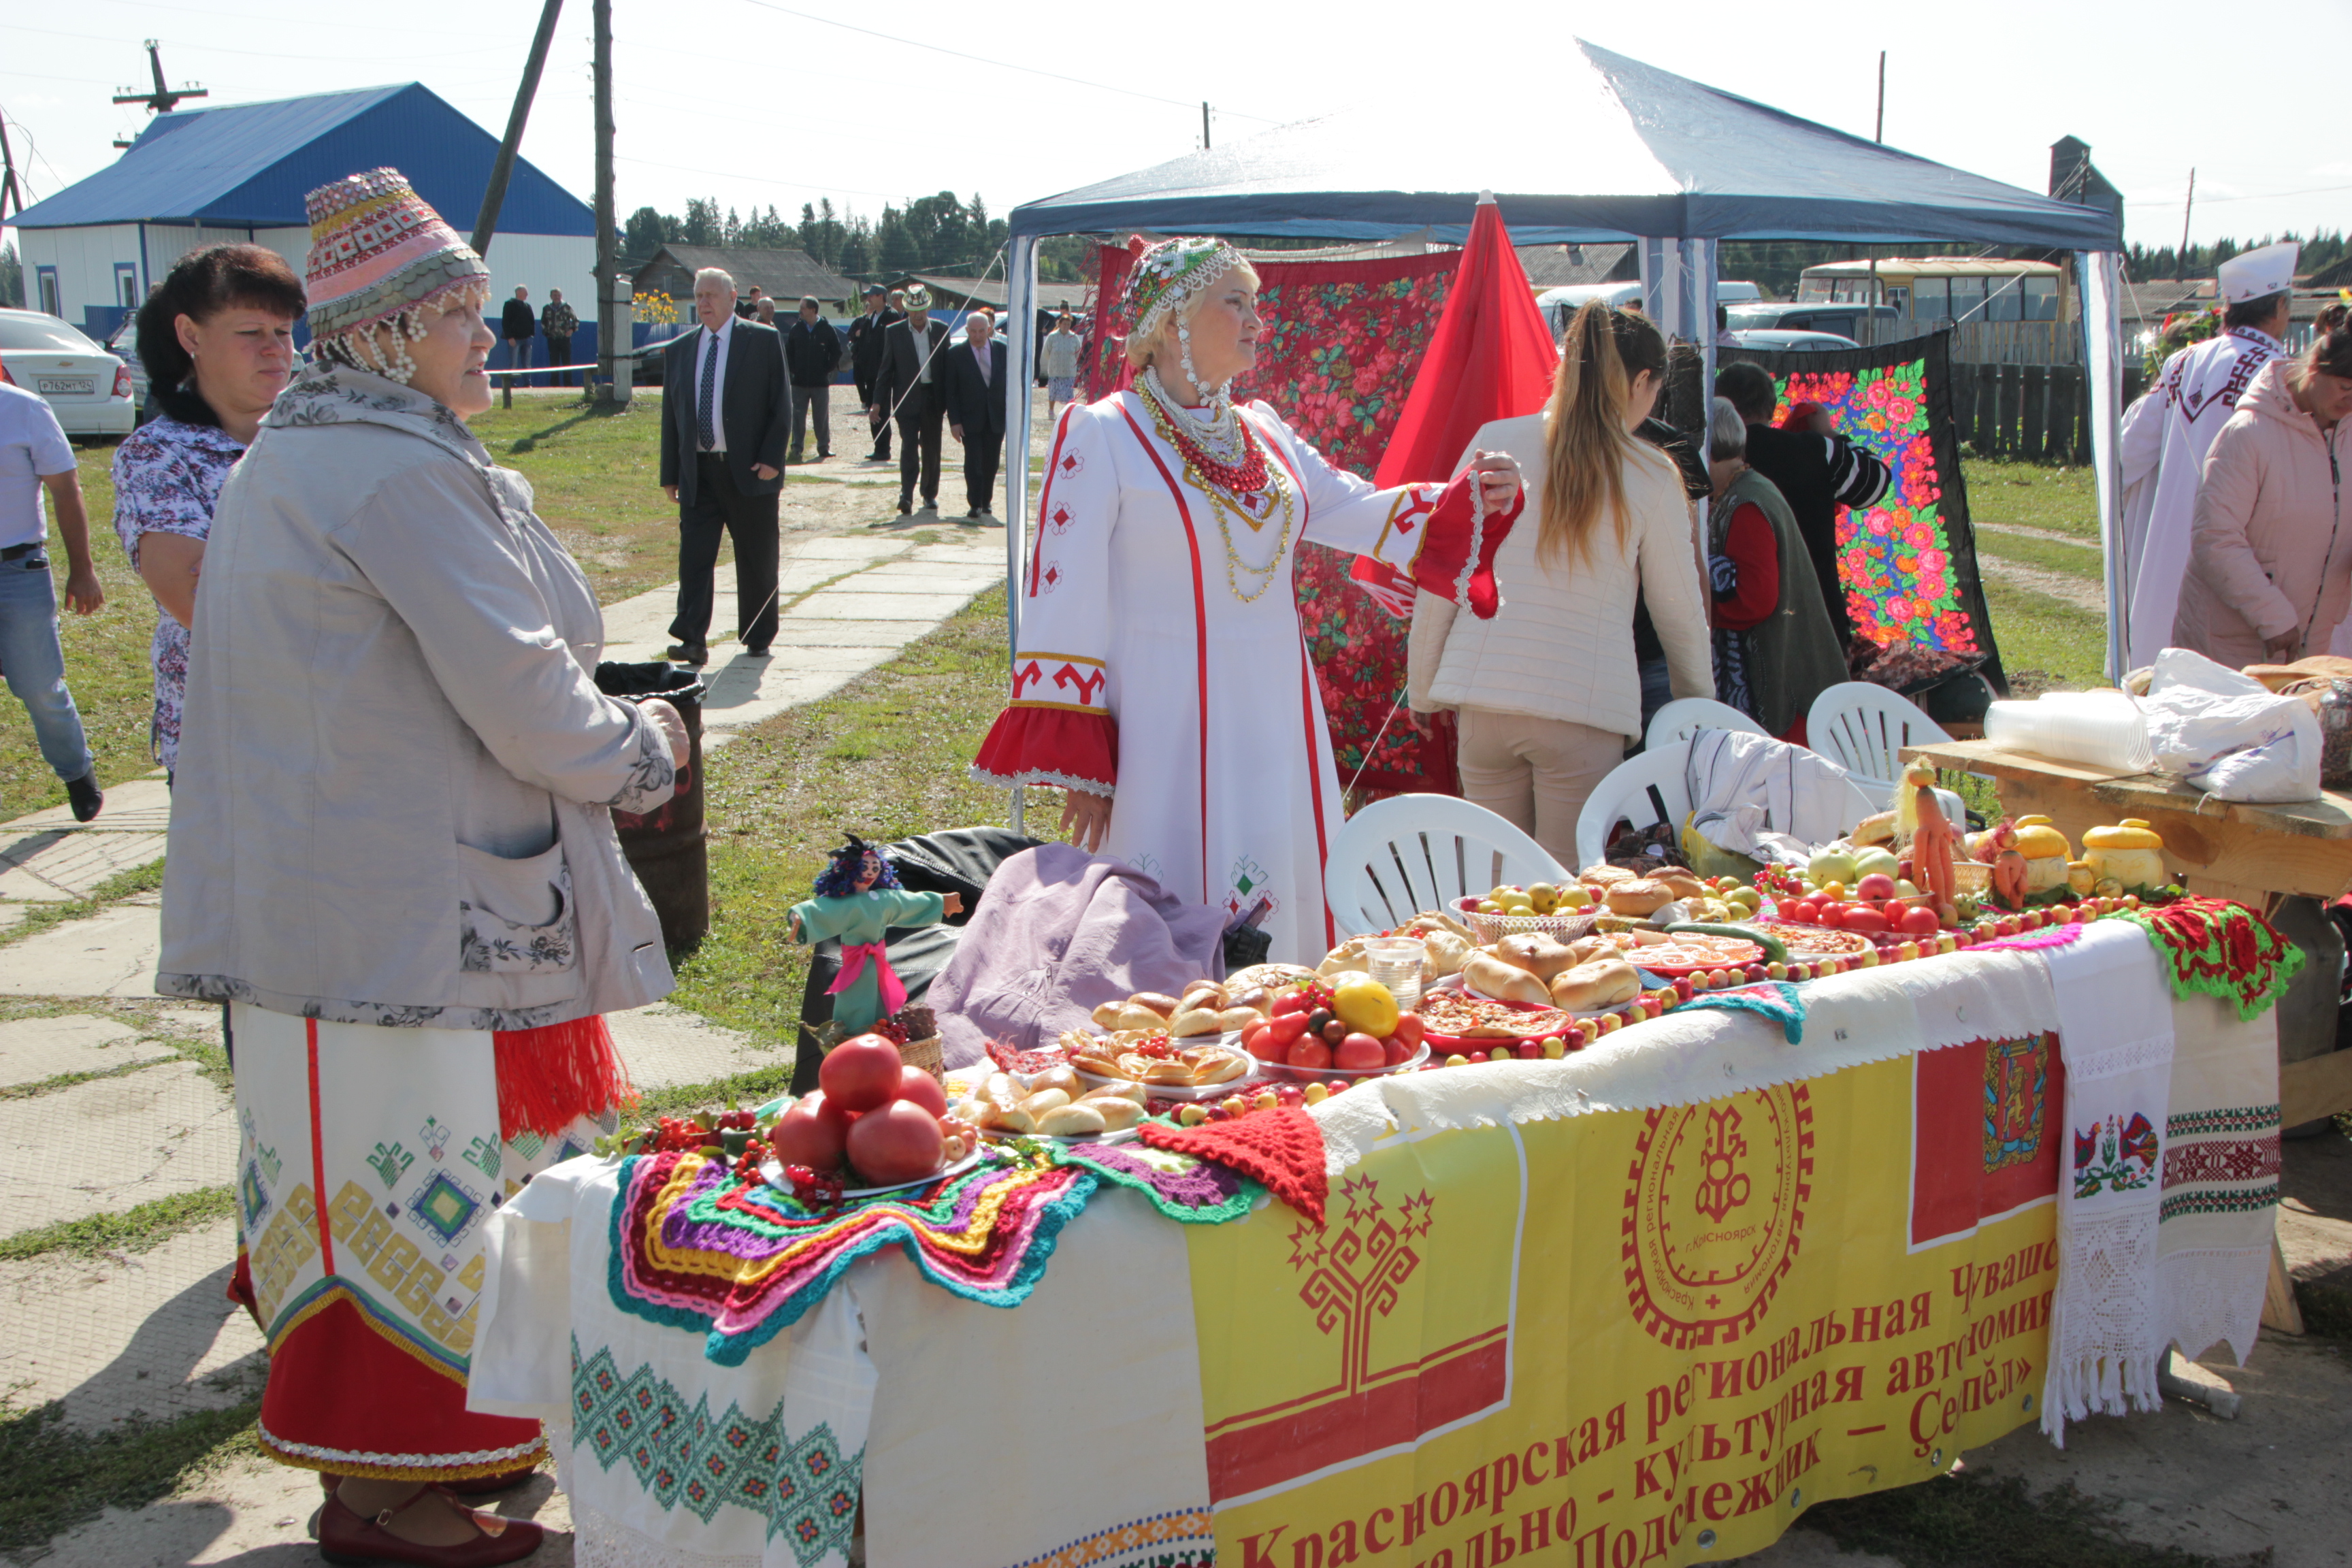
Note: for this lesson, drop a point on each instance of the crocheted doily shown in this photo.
(1283, 1148)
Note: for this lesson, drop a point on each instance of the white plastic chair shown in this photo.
(1686, 716)
(1865, 728)
(1625, 793)
(1413, 852)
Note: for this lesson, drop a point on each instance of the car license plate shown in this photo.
(66, 385)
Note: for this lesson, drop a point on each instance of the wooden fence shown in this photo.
(2032, 413)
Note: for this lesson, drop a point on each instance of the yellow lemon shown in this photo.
(1367, 1005)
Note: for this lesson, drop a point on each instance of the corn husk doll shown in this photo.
(858, 900)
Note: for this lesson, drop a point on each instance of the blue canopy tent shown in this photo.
(1609, 150)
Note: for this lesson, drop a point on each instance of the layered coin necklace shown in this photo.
(1227, 460)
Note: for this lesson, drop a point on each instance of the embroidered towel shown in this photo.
(2220, 1177)
(2114, 1034)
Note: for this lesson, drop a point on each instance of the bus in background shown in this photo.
(1924, 291)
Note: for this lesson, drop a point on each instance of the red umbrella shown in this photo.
(1490, 358)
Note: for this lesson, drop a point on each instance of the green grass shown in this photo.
(2026, 495)
(884, 757)
(122, 885)
(2046, 646)
(138, 1228)
(68, 1079)
(2081, 560)
(52, 1480)
(1966, 1520)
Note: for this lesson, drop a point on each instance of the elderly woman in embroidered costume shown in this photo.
(1162, 679)
(393, 856)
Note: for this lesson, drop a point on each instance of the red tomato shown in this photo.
(1293, 1002)
(1830, 915)
(1309, 1053)
(1410, 1030)
(1360, 1052)
(861, 1073)
(1862, 918)
(923, 1090)
(1281, 1029)
(811, 1133)
(1920, 921)
(1254, 1038)
(1805, 912)
(900, 1142)
(1395, 1051)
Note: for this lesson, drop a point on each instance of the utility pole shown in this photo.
(1204, 125)
(494, 195)
(12, 193)
(163, 99)
(606, 291)
(2186, 208)
(1877, 135)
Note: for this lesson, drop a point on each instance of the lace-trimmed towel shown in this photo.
(2114, 1034)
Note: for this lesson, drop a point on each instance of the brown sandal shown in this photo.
(350, 1541)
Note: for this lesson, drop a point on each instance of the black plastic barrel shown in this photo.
(668, 847)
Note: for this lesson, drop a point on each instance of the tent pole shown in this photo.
(2100, 275)
(1021, 288)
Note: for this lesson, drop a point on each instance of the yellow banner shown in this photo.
(1631, 1337)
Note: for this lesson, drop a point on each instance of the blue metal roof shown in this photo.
(251, 163)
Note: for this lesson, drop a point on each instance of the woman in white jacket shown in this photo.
(1548, 691)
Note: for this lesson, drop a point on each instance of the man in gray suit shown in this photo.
(724, 406)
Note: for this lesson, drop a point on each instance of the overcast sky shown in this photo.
(755, 103)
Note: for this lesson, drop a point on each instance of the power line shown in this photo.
(2253, 196)
(1002, 65)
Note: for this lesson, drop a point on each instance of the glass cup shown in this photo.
(1397, 962)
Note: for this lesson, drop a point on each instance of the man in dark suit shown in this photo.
(518, 326)
(724, 404)
(975, 385)
(866, 361)
(910, 385)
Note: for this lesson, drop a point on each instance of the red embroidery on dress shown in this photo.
(1025, 675)
(1051, 579)
(1088, 685)
(1061, 519)
(1073, 463)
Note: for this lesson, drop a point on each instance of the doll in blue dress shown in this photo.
(858, 900)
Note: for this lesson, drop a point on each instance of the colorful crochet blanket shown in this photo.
(2221, 948)
(1183, 1187)
(739, 1261)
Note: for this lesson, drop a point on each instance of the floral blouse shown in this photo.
(166, 478)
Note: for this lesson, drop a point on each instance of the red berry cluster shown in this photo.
(813, 1187)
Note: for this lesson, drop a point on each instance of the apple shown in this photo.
(1529, 1050)
(1875, 887)
(1831, 866)
(1457, 1060)
(1755, 972)
(861, 1073)
(916, 1085)
(1192, 1114)
(1554, 1048)
(1359, 1053)
(1313, 1094)
(1683, 988)
(1577, 1037)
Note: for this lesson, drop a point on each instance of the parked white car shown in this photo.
(89, 389)
(1775, 341)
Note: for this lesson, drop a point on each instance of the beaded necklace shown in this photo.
(1232, 480)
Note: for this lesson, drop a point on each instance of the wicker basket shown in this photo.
(922, 1048)
(926, 1054)
(1971, 877)
(1491, 929)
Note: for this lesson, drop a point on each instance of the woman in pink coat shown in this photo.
(2270, 564)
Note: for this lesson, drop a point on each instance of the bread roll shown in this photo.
(1193, 1022)
(1604, 876)
(1118, 1115)
(1218, 1001)
(1238, 1018)
(1072, 1121)
(1044, 1100)
(1256, 997)
(1009, 1119)
(1223, 1067)
(998, 1089)
(1681, 883)
(1585, 948)
(1117, 1090)
(1540, 956)
(1160, 1002)
(1603, 984)
(1177, 1074)
(1108, 1014)
(1135, 1015)
(1445, 952)
(1493, 977)
(1638, 897)
(1062, 1079)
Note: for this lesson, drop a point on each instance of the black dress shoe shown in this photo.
(86, 796)
(682, 653)
(757, 650)
(905, 506)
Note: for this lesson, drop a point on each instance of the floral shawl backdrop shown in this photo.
(1909, 564)
(1341, 344)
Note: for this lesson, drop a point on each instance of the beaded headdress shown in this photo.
(1167, 274)
(379, 257)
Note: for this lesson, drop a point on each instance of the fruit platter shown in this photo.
(1346, 1026)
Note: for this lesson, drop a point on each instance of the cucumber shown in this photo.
(1775, 951)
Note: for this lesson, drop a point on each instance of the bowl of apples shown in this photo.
(1562, 910)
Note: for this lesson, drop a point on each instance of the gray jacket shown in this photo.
(395, 771)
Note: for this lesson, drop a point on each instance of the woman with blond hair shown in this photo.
(1162, 679)
(1548, 691)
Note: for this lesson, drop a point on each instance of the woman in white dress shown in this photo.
(1162, 679)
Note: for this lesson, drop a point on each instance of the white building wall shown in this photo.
(166, 243)
(542, 261)
(84, 260)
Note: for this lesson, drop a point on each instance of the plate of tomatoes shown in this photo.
(1308, 1034)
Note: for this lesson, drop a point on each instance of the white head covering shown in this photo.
(2259, 273)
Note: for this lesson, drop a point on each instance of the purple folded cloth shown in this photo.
(1057, 934)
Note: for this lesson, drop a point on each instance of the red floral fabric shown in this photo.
(1341, 344)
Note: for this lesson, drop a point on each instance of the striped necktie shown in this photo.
(709, 378)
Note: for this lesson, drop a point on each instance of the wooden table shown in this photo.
(2231, 849)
